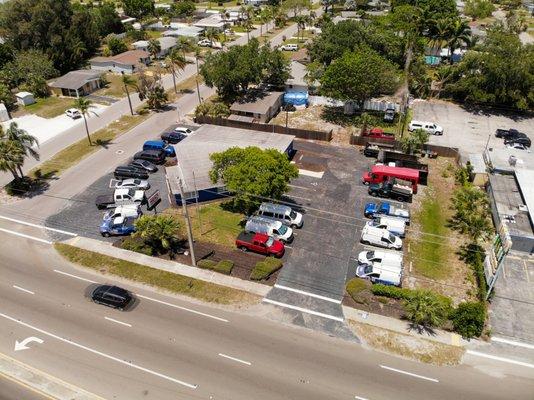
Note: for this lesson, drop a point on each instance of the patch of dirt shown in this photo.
(7, 199)
(459, 283)
(311, 118)
(374, 304)
(407, 346)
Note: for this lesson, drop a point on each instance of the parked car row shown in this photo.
(268, 230)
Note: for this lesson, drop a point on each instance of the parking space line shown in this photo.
(235, 359)
(23, 290)
(400, 371)
(75, 276)
(99, 353)
(182, 308)
(38, 226)
(298, 197)
(25, 236)
(304, 310)
(512, 342)
(313, 174)
(526, 270)
(359, 398)
(503, 359)
(317, 296)
(118, 322)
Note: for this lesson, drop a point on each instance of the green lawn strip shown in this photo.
(49, 107)
(76, 152)
(223, 266)
(429, 253)
(175, 283)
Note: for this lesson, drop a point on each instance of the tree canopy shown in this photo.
(107, 20)
(138, 8)
(233, 71)
(359, 76)
(27, 66)
(253, 174)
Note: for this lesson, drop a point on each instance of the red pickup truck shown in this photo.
(377, 133)
(260, 243)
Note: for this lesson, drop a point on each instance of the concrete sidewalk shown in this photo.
(107, 249)
(41, 382)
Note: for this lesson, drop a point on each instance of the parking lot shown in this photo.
(323, 256)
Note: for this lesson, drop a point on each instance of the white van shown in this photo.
(130, 210)
(430, 127)
(397, 226)
(379, 258)
(380, 237)
(275, 229)
(379, 275)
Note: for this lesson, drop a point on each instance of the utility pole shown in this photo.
(188, 223)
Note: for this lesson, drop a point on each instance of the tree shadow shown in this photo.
(186, 91)
(104, 143)
(488, 111)
(421, 329)
(30, 187)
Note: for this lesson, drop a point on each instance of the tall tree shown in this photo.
(11, 158)
(154, 47)
(358, 77)
(212, 35)
(138, 8)
(84, 106)
(459, 33)
(23, 140)
(128, 82)
(107, 20)
(176, 63)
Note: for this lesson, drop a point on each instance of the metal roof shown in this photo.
(76, 79)
(193, 153)
(525, 180)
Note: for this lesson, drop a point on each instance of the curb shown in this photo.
(41, 382)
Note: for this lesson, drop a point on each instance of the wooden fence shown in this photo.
(300, 133)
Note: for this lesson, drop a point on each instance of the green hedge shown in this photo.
(355, 287)
(223, 266)
(264, 269)
(138, 245)
(392, 292)
(468, 319)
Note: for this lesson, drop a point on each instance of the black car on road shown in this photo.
(111, 296)
(144, 165)
(172, 137)
(154, 156)
(129, 171)
(508, 134)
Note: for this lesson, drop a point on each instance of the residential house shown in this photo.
(214, 21)
(192, 32)
(76, 83)
(128, 62)
(261, 106)
(166, 44)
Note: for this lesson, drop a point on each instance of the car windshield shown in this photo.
(392, 238)
(137, 181)
(131, 192)
(368, 269)
(370, 255)
(293, 214)
(269, 242)
(282, 229)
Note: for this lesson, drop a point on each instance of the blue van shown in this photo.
(159, 145)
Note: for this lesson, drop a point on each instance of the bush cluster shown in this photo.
(223, 266)
(137, 245)
(264, 269)
(468, 319)
(355, 288)
(392, 292)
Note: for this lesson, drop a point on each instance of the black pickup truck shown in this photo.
(391, 190)
(508, 134)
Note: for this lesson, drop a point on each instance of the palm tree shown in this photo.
(23, 140)
(301, 25)
(128, 81)
(440, 33)
(84, 105)
(184, 44)
(154, 47)
(198, 56)
(176, 62)
(459, 32)
(265, 17)
(11, 157)
(211, 34)
(159, 231)
(248, 27)
(425, 309)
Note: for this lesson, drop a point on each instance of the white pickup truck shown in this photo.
(127, 211)
(120, 197)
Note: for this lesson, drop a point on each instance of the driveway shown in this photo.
(469, 131)
(311, 285)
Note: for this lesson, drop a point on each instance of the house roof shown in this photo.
(76, 79)
(167, 42)
(194, 152)
(191, 31)
(130, 57)
(21, 95)
(211, 21)
(256, 103)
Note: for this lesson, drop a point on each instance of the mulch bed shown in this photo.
(393, 308)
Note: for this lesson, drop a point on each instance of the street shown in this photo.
(172, 348)
(10, 390)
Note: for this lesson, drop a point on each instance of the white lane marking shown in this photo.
(75, 276)
(23, 290)
(38, 226)
(359, 398)
(313, 174)
(512, 342)
(235, 359)
(287, 246)
(317, 296)
(400, 371)
(25, 236)
(97, 352)
(304, 310)
(503, 359)
(183, 308)
(118, 322)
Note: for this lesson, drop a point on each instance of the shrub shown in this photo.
(137, 245)
(223, 266)
(471, 254)
(392, 292)
(355, 287)
(468, 319)
(427, 309)
(264, 269)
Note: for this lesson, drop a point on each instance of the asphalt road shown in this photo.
(11, 390)
(172, 348)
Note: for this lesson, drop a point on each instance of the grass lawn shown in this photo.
(49, 107)
(174, 283)
(76, 152)
(153, 34)
(214, 225)
(114, 88)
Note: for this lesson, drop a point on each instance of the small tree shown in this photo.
(7, 97)
(212, 35)
(158, 231)
(84, 105)
(414, 141)
(471, 213)
(154, 47)
(116, 45)
(426, 309)
(214, 110)
(24, 141)
(469, 318)
(11, 157)
(252, 174)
